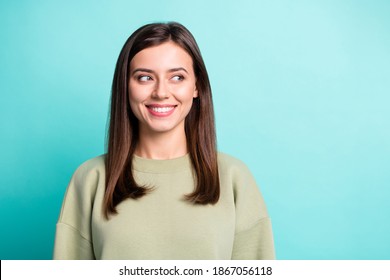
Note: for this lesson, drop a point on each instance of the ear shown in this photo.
(195, 95)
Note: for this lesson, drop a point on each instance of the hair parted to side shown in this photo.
(123, 132)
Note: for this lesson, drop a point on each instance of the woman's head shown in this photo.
(161, 88)
(124, 125)
(149, 36)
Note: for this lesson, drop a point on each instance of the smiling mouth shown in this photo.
(161, 110)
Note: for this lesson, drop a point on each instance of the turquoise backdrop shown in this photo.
(302, 96)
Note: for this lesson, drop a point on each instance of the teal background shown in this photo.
(301, 90)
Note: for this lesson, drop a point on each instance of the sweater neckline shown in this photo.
(147, 165)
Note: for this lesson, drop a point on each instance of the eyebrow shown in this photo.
(151, 71)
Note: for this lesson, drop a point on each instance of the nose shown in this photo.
(161, 90)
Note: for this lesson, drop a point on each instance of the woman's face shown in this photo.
(162, 88)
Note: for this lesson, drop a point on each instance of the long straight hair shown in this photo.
(123, 132)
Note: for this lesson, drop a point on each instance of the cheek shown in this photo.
(136, 95)
(186, 99)
(186, 94)
(135, 99)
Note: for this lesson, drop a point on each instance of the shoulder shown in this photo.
(232, 165)
(87, 181)
(249, 204)
(88, 176)
(95, 163)
(234, 172)
(90, 166)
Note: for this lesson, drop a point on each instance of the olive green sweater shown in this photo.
(161, 225)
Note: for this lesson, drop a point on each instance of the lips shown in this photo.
(161, 110)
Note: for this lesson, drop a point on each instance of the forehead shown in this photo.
(166, 55)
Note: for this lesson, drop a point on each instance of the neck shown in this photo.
(161, 145)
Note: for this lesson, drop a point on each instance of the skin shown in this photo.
(162, 87)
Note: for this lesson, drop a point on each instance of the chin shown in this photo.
(161, 129)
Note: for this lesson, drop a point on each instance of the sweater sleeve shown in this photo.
(73, 239)
(71, 245)
(253, 234)
(255, 243)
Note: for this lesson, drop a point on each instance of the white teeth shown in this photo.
(161, 109)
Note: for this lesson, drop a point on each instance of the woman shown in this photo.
(162, 191)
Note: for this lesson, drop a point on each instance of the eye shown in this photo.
(178, 78)
(144, 78)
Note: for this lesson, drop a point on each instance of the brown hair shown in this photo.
(123, 134)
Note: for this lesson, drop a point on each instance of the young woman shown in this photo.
(162, 191)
